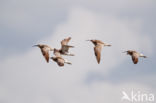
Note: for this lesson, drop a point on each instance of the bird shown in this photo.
(65, 47)
(98, 47)
(58, 58)
(135, 55)
(45, 50)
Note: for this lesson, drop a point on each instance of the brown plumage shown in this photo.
(45, 50)
(135, 55)
(98, 48)
(65, 41)
(58, 58)
(97, 51)
(65, 47)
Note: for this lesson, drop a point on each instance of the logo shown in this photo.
(137, 96)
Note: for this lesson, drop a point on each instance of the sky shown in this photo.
(25, 77)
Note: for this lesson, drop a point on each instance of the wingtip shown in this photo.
(98, 62)
(70, 63)
(135, 62)
(47, 61)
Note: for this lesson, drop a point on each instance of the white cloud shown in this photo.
(27, 78)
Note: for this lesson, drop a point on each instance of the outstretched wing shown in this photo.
(65, 41)
(45, 53)
(135, 58)
(97, 50)
(64, 45)
(65, 48)
(60, 61)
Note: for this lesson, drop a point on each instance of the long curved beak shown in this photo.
(88, 40)
(34, 45)
(124, 52)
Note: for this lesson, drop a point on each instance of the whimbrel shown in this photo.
(45, 50)
(135, 55)
(65, 47)
(98, 47)
(58, 58)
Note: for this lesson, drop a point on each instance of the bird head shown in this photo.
(53, 58)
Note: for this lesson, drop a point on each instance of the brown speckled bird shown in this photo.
(98, 47)
(58, 58)
(65, 47)
(135, 55)
(45, 50)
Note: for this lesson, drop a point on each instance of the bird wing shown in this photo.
(65, 41)
(64, 45)
(60, 61)
(135, 58)
(45, 53)
(65, 48)
(97, 50)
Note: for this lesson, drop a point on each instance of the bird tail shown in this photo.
(109, 45)
(71, 54)
(69, 46)
(67, 62)
(68, 54)
(144, 56)
(141, 55)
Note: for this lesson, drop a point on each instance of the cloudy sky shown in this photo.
(25, 77)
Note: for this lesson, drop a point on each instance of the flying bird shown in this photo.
(58, 58)
(135, 55)
(45, 50)
(98, 47)
(65, 47)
